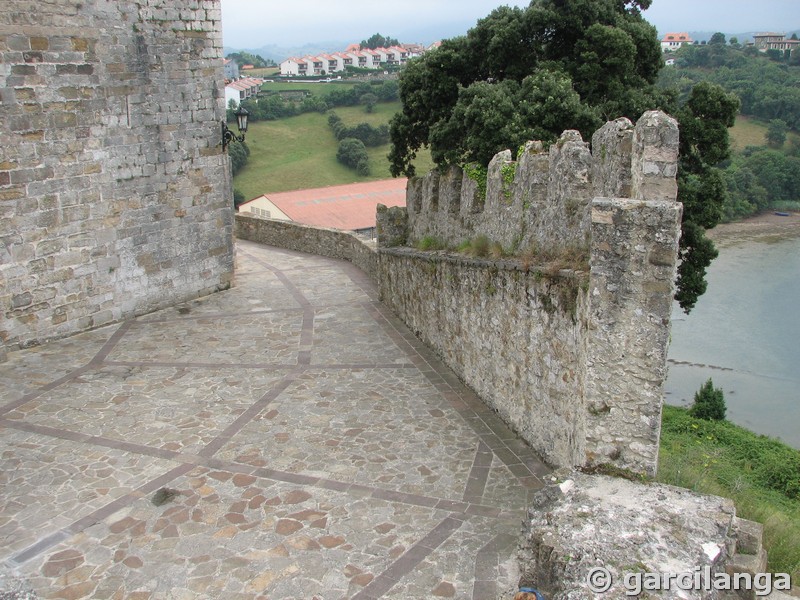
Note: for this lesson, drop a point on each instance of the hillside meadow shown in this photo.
(300, 152)
(749, 131)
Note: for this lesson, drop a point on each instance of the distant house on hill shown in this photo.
(231, 69)
(294, 66)
(349, 207)
(241, 89)
(673, 41)
(354, 56)
(774, 41)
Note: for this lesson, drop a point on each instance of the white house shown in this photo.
(231, 69)
(325, 64)
(360, 59)
(347, 60)
(400, 55)
(673, 41)
(241, 89)
(294, 66)
(382, 54)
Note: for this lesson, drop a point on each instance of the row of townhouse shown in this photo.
(325, 64)
(241, 89)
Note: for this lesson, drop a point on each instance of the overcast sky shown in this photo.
(256, 23)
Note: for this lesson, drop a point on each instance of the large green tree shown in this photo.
(376, 40)
(531, 73)
(599, 57)
(704, 121)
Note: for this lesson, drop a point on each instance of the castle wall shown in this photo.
(332, 243)
(574, 361)
(512, 334)
(115, 196)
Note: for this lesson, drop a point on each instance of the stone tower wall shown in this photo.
(574, 361)
(115, 195)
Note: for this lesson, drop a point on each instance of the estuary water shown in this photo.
(744, 333)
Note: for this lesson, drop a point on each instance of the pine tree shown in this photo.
(709, 403)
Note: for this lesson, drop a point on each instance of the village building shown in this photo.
(672, 41)
(350, 207)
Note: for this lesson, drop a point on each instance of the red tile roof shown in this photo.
(348, 207)
(677, 37)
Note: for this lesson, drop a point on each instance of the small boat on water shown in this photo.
(781, 214)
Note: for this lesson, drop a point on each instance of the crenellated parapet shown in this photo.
(574, 361)
(544, 197)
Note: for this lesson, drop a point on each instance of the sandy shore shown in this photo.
(764, 227)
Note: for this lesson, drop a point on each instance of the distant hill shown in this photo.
(420, 34)
(281, 53)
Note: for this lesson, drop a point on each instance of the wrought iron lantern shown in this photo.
(241, 121)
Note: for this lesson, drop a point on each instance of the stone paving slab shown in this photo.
(299, 440)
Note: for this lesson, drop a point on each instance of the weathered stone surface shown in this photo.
(392, 225)
(590, 521)
(316, 448)
(511, 334)
(332, 243)
(633, 261)
(111, 119)
(575, 363)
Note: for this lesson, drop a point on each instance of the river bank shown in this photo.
(765, 227)
(743, 331)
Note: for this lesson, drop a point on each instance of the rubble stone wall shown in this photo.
(115, 195)
(332, 243)
(573, 360)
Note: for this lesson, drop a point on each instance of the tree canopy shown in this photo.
(704, 121)
(584, 61)
(530, 73)
(245, 58)
(376, 40)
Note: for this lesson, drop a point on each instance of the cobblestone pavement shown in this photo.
(288, 438)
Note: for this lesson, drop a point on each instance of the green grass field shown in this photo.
(319, 89)
(300, 152)
(752, 132)
(761, 476)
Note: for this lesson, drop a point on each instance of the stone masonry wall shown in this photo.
(512, 334)
(333, 243)
(115, 195)
(575, 362)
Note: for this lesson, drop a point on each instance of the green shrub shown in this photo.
(429, 243)
(480, 246)
(709, 403)
(353, 154)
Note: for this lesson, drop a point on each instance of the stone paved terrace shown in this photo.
(315, 449)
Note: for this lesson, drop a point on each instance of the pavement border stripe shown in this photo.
(248, 415)
(45, 388)
(487, 560)
(479, 473)
(98, 515)
(111, 343)
(408, 561)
